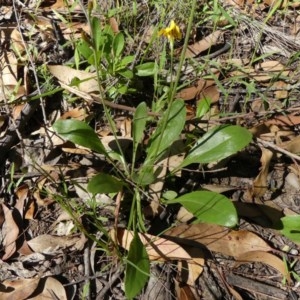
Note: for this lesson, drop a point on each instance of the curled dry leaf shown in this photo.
(266, 258)
(18, 289)
(157, 248)
(218, 238)
(260, 183)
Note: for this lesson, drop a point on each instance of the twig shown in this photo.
(278, 149)
(111, 282)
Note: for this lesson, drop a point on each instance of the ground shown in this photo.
(83, 206)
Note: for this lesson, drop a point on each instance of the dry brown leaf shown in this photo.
(266, 258)
(260, 183)
(268, 69)
(237, 3)
(283, 4)
(156, 247)
(259, 129)
(51, 289)
(212, 93)
(292, 146)
(76, 113)
(10, 232)
(191, 92)
(88, 82)
(42, 202)
(47, 242)
(203, 45)
(197, 90)
(156, 187)
(9, 69)
(286, 120)
(184, 215)
(17, 43)
(30, 210)
(264, 71)
(282, 92)
(22, 193)
(184, 292)
(9, 85)
(218, 239)
(190, 270)
(18, 289)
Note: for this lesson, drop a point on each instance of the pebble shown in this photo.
(294, 252)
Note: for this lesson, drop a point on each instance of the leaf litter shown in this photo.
(251, 78)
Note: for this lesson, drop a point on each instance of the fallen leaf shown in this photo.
(185, 292)
(18, 289)
(156, 247)
(22, 193)
(212, 93)
(203, 45)
(266, 258)
(218, 238)
(292, 146)
(87, 82)
(190, 270)
(49, 288)
(195, 90)
(10, 232)
(260, 183)
(284, 120)
(76, 113)
(48, 243)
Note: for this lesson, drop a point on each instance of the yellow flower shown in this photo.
(172, 32)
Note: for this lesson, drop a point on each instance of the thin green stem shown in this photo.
(173, 89)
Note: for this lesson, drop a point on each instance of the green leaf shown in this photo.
(126, 60)
(118, 44)
(80, 133)
(137, 268)
(125, 73)
(146, 69)
(139, 124)
(103, 184)
(160, 141)
(209, 207)
(203, 107)
(84, 49)
(96, 32)
(218, 143)
(145, 176)
(291, 227)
